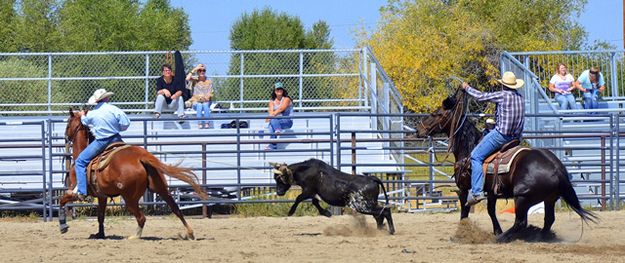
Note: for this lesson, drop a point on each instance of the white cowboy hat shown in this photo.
(490, 121)
(99, 95)
(509, 80)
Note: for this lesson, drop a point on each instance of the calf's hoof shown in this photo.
(326, 213)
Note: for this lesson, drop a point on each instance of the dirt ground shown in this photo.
(419, 238)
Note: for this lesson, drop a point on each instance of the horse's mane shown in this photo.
(463, 135)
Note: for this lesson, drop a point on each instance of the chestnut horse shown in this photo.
(538, 175)
(129, 173)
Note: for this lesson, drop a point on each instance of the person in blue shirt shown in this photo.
(106, 121)
(591, 82)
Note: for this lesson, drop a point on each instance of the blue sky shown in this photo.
(211, 19)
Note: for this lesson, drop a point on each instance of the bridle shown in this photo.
(69, 138)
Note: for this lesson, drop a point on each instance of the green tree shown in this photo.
(36, 29)
(422, 43)
(8, 22)
(267, 29)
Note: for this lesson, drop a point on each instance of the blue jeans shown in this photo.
(590, 99)
(92, 150)
(276, 125)
(566, 101)
(177, 105)
(490, 143)
(202, 109)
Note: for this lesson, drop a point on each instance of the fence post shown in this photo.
(603, 198)
(373, 86)
(147, 81)
(618, 162)
(613, 80)
(205, 212)
(241, 83)
(43, 171)
(301, 80)
(363, 76)
(353, 153)
(49, 84)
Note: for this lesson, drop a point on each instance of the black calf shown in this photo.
(319, 180)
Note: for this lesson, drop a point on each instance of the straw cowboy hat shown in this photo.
(99, 95)
(509, 80)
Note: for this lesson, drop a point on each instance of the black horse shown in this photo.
(538, 175)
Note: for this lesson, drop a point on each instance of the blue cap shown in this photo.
(278, 85)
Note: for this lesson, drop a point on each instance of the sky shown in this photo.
(211, 20)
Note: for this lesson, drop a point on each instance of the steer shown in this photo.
(319, 180)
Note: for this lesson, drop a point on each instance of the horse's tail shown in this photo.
(377, 180)
(183, 174)
(570, 197)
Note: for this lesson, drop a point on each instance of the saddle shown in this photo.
(101, 161)
(497, 167)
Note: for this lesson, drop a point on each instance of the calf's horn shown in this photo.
(276, 171)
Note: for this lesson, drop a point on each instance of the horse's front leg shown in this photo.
(464, 209)
(101, 214)
(62, 218)
(492, 203)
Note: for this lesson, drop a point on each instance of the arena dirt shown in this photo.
(419, 238)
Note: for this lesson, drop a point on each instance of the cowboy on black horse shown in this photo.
(510, 113)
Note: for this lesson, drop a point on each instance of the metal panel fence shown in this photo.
(233, 161)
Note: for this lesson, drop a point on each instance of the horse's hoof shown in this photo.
(190, 236)
(64, 229)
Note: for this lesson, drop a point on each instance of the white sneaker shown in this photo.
(75, 191)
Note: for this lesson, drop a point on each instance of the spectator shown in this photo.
(488, 127)
(561, 84)
(168, 94)
(202, 94)
(591, 83)
(279, 105)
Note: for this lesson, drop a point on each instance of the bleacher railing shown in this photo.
(46, 83)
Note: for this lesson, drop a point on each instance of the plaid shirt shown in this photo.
(510, 111)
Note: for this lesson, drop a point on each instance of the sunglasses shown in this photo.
(201, 70)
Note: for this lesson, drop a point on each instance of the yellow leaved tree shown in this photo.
(422, 43)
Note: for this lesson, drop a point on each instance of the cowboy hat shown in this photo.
(490, 121)
(509, 80)
(99, 95)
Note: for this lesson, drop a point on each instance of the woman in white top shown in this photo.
(562, 85)
(202, 94)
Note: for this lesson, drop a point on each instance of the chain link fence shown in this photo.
(47, 83)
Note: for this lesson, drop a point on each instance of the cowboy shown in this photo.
(509, 116)
(106, 122)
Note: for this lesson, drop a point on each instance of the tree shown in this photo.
(36, 28)
(422, 43)
(267, 29)
(7, 30)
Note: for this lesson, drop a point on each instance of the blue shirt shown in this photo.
(105, 120)
(584, 80)
(510, 110)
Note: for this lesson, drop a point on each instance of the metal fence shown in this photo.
(47, 83)
(233, 162)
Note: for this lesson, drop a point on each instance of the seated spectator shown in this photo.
(202, 94)
(279, 105)
(168, 94)
(489, 126)
(561, 84)
(591, 83)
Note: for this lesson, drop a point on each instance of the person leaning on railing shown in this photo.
(561, 84)
(592, 84)
(168, 94)
(202, 94)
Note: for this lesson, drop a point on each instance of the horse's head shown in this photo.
(74, 127)
(439, 121)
